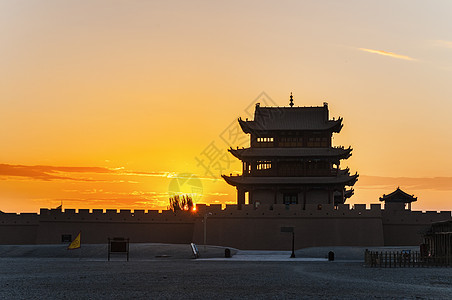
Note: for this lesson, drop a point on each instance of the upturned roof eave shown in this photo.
(398, 192)
(247, 153)
(348, 180)
(253, 127)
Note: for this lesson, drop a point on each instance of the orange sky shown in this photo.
(107, 104)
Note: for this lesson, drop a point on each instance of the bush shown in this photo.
(180, 203)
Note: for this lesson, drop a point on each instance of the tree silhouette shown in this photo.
(180, 203)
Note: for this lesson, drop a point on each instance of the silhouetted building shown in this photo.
(291, 159)
(439, 242)
(398, 200)
(293, 177)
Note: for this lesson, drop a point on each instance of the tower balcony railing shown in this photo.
(292, 172)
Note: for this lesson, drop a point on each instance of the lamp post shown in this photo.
(205, 228)
(290, 230)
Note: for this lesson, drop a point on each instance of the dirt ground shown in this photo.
(166, 278)
(159, 271)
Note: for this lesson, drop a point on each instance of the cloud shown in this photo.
(217, 194)
(166, 175)
(48, 172)
(391, 183)
(443, 43)
(385, 53)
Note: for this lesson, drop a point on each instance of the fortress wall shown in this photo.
(407, 228)
(265, 233)
(99, 232)
(261, 228)
(18, 229)
(97, 226)
(248, 228)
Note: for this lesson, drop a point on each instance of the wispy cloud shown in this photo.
(172, 175)
(386, 53)
(390, 183)
(443, 43)
(48, 172)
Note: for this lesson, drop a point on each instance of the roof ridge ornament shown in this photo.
(291, 100)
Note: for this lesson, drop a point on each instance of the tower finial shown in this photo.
(291, 100)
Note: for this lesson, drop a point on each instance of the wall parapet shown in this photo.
(267, 211)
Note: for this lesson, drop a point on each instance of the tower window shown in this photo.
(265, 140)
(264, 165)
(291, 142)
(290, 198)
(318, 142)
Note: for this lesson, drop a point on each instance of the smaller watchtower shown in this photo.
(398, 200)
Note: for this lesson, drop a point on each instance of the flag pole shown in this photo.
(80, 254)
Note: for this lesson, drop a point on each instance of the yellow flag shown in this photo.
(75, 243)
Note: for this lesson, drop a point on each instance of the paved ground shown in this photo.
(184, 278)
(263, 256)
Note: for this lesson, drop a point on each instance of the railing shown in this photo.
(404, 259)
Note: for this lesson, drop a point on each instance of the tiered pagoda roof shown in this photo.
(249, 180)
(332, 152)
(291, 118)
(291, 158)
(398, 196)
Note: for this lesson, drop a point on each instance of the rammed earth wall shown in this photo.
(248, 228)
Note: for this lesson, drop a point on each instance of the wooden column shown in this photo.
(304, 198)
(275, 194)
(240, 197)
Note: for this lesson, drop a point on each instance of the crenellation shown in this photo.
(375, 207)
(231, 208)
(445, 214)
(215, 207)
(138, 213)
(343, 207)
(359, 207)
(152, 213)
(201, 208)
(125, 213)
(394, 223)
(167, 213)
(13, 218)
(44, 211)
(28, 215)
(430, 213)
(83, 213)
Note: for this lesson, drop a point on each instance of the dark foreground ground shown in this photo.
(162, 271)
(170, 278)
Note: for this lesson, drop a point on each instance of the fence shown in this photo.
(404, 259)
